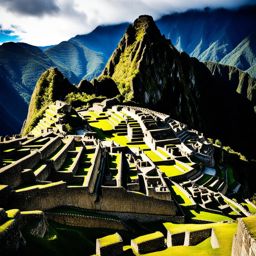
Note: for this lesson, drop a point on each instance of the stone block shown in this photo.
(148, 243)
(111, 245)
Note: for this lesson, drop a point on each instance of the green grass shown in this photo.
(170, 170)
(251, 209)
(153, 156)
(31, 212)
(62, 240)
(9, 150)
(208, 216)
(6, 225)
(185, 167)
(110, 239)
(181, 197)
(12, 213)
(148, 237)
(39, 169)
(163, 152)
(224, 233)
(40, 186)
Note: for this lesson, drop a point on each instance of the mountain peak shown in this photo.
(132, 62)
(146, 24)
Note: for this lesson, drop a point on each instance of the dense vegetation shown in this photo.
(50, 87)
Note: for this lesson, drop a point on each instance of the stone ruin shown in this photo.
(52, 169)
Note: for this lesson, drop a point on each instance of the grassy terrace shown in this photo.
(170, 170)
(142, 239)
(68, 163)
(6, 225)
(153, 156)
(39, 186)
(65, 240)
(224, 233)
(12, 213)
(85, 163)
(181, 197)
(55, 153)
(207, 216)
(70, 159)
(115, 162)
(104, 129)
(163, 152)
(39, 169)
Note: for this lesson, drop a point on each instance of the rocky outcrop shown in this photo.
(104, 86)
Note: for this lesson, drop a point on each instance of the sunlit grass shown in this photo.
(170, 170)
(183, 198)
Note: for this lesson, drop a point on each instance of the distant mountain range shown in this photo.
(225, 36)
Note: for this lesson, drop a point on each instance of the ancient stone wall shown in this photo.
(60, 157)
(243, 243)
(53, 196)
(120, 200)
(149, 245)
(50, 147)
(86, 221)
(11, 174)
(93, 173)
(198, 236)
(43, 173)
(113, 199)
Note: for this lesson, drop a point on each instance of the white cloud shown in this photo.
(74, 17)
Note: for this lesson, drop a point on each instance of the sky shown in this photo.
(48, 22)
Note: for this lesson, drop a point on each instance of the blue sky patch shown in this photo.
(6, 36)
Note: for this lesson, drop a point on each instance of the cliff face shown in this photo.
(150, 71)
(237, 79)
(51, 86)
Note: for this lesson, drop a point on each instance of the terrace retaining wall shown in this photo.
(243, 243)
(11, 174)
(86, 221)
(50, 147)
(116, 200)
(59, 159)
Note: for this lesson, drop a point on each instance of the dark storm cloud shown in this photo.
(31, 7)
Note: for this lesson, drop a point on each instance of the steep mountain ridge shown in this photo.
(238, 80)
(23, 64)
(82, 62)
(243, 56)
(209, 35)
(150, 71)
